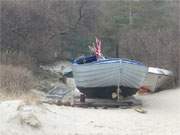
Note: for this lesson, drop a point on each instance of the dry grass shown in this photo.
(15, 79)
(28, 97)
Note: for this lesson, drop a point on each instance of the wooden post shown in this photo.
(118, 92)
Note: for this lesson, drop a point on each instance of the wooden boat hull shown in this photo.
(101, 78)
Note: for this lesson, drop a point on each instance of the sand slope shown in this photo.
(162, 118)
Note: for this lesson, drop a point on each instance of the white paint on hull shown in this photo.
(109, 74)
(156, 78)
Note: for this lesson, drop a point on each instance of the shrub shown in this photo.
(15, 79)
(17, 58)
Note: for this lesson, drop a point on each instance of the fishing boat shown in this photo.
(157, 78)
(101, 78)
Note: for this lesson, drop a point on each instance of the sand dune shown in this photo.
(162, 118)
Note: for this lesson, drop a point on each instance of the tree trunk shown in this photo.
(178, 44)
(117, 50)
(130, 13)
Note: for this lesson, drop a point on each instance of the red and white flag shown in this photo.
(98, 48)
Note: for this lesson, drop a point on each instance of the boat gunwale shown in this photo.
(165, 72)
(110, 61)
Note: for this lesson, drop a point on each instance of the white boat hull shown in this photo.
(103, 74)
(157, 78)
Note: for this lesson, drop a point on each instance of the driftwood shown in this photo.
(140, 110)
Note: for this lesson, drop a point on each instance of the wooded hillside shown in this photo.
(45, 31)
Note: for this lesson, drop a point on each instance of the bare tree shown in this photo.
(42, 29)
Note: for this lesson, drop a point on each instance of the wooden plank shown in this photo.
(126, 103)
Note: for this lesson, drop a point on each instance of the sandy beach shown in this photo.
(162, 118)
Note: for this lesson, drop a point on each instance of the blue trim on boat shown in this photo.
(93, 60)
(83, 59)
